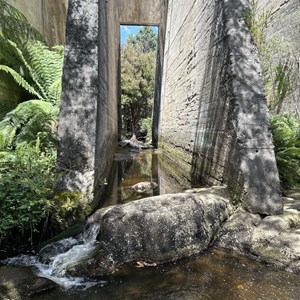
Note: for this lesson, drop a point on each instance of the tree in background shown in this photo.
(138, 58)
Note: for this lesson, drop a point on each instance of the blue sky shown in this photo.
(127, 30)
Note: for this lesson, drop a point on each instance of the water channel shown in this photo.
(216, 274)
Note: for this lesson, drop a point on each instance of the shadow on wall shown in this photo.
(233, 142)
(213, 132)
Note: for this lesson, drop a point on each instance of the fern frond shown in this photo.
(286, 134)
(46, 68)
(31, 71)
(26, 121)
(20, 80)
(15, 26)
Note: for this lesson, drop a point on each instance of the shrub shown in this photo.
(26, 183)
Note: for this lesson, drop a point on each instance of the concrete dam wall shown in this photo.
(210, 112)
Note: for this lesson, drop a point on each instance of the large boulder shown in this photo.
(272, 239)
(156, 229)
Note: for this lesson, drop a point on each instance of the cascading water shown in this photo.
(56, 258)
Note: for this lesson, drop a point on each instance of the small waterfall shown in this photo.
(55, 258)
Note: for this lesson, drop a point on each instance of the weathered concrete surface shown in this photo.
(213, 113)
(47, 16)
(156, 229)
(273, 239)
(90, 104)
(140, 12)
(80, 97)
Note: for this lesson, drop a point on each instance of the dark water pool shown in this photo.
(216, 274)
(149, 165)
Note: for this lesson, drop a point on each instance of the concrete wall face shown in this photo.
(213, 112)
(88, 124)
(81, 95)
(140, 12)
(47, 16)
(212, 109)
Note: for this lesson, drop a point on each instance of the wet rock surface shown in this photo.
(144, 186)
(273, 239)
(155, 230)
(18, 283)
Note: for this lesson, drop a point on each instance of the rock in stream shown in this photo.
(156, 229)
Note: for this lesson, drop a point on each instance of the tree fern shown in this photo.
(40, 69)
(26, 122)
(15, 26)
(20, 80)
(286, 135)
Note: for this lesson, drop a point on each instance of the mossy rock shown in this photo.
(68, 208)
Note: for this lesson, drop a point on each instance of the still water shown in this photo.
(216, 274)
(131, 167)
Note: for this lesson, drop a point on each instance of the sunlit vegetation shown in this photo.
(286, 134)
(138, 56)
(281, 78)
(28, 128)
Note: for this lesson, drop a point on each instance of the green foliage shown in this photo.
(146, 126)
(286, 134)
(137, 79)
(28, 121)
(15, 26)
(258, 23)
(28, 132)
(26, 182)
(68, 209)
(146, 39)
(275, 55)
(36, 69)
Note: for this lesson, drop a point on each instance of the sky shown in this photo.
(127, 30)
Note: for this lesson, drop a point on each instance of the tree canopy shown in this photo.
(138, 57)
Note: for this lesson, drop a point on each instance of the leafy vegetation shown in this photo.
(15, 26)
(26, 183)
(280, 76)
(277, 61)
(286, 134)
(28, 131)
(37, 69)
(138, 57)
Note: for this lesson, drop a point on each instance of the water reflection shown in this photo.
(134, 167)
(216, 274)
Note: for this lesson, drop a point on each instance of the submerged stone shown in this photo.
(144, 186)
(156, 229)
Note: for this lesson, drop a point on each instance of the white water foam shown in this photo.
(76, 250)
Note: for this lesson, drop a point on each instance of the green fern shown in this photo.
(286, 135)
(38, 70)
(26, 123)
(15, 26)
(20, 80)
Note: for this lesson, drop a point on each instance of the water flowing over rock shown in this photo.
(156, 229)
